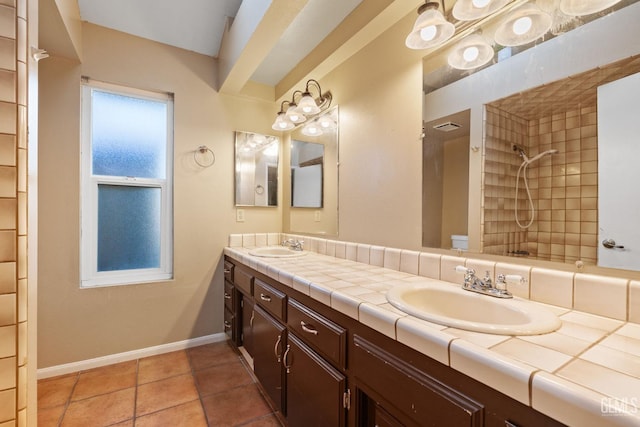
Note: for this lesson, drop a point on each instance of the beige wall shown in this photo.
(78, 324)
(379, 91)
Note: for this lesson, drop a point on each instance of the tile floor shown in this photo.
(208, 385)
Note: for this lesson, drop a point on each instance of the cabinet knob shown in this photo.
(275, 349)
(284, 358)
(265, 297)
(307, 328)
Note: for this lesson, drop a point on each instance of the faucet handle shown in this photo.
(464, 270)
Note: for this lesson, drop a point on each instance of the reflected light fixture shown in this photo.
(312, 129)
(472, 52)
(523, 26)
(306, 108)
(470, 10)
(582, 7)
(430, 29)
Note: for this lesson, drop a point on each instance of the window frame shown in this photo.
(90, 277)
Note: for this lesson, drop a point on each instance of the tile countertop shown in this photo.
(585, 373)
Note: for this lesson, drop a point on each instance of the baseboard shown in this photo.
(83, 365)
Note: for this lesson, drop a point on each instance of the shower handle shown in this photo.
(611, 244)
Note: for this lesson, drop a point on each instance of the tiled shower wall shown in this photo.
(563, 186)
(13, 212)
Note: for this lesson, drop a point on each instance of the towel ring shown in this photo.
(203, 150)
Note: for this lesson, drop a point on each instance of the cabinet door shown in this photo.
(315, 389)
(247, 314)
(269, 337)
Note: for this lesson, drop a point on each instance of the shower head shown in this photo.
(544, 153)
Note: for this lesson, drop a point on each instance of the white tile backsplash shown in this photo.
(409, 261)
(606, 296)
(552, 287)
(634, 301)
(392, 258)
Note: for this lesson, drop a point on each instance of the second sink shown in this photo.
(449, 305)
(276, 252)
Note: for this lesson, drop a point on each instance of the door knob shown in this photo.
(611, 244)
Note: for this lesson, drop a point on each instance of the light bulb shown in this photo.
(522, 25)
(428, 33)
(471, 53)
(480, 3)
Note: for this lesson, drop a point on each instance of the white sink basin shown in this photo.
(276, 252)
(452, 306)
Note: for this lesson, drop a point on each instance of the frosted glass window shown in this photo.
(126, 186)
(129, 136)
(129, 233)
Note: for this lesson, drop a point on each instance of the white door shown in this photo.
(619, 173)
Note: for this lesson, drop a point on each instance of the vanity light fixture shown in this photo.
(582, 7)
(306, 108)
(472, 52)
(470, 10)
(430, 29)
(523, 26)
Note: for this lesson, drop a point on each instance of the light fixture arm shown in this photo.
(429, 5)
(324, 99)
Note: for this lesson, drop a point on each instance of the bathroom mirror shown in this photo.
(540, 109)
(256, 169)
(311, 186)
(307, 164)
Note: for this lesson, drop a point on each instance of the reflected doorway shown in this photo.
(445, 182)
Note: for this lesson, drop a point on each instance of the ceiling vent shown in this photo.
(447, 126)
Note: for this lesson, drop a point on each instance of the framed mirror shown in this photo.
(311, 187)
(256, 169)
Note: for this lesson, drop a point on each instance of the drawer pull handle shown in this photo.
(264, 297)
(227, 295)
(227, 325)
(253, 313)
(275, 349)
(284, 357)
(227, 271)
(308, 329)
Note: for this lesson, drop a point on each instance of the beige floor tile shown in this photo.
(188, 414)
(163, 366)
(105, 380)
(103, 410)
(165, 393)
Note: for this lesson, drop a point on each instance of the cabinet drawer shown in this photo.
(243, 281)
(229, 296)
(228, 271)
(396, 383)
(320, 333)
(272, 300)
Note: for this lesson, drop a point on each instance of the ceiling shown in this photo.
(200, 25)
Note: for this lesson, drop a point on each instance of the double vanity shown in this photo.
(345, 334)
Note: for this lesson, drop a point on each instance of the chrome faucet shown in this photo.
(294, 244)
(484, 286)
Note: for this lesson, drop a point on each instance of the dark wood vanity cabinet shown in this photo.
(315, 389)
(322, 368)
